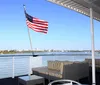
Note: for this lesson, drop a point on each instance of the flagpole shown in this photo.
(31, 51)
(30, 46)
(29, 35)
(30, 41)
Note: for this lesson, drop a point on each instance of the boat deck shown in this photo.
(14, 81)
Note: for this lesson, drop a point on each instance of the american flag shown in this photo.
(36, 24)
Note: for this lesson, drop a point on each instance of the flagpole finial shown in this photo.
(24, 7)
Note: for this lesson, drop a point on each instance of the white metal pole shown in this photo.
(93, 47)
(30, 40)
(30, 46)
(31, 50)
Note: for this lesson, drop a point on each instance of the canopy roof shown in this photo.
(81, 6)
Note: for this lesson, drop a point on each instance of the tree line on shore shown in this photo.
(26, 51)
(52, 50)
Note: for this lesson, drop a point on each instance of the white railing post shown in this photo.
(73, 58)
(29, 66)
(13, 67)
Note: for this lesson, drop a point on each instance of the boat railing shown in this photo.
(17, 65)
(12, 65)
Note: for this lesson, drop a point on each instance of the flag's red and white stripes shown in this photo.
(38, 25)
(36, 20)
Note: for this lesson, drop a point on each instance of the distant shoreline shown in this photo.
(29, 51)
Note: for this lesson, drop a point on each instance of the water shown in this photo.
(21, 63)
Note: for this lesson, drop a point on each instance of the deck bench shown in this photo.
(63, 70)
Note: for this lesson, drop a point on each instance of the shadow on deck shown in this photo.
(9, 81)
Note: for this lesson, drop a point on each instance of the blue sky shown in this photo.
(67, 29)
